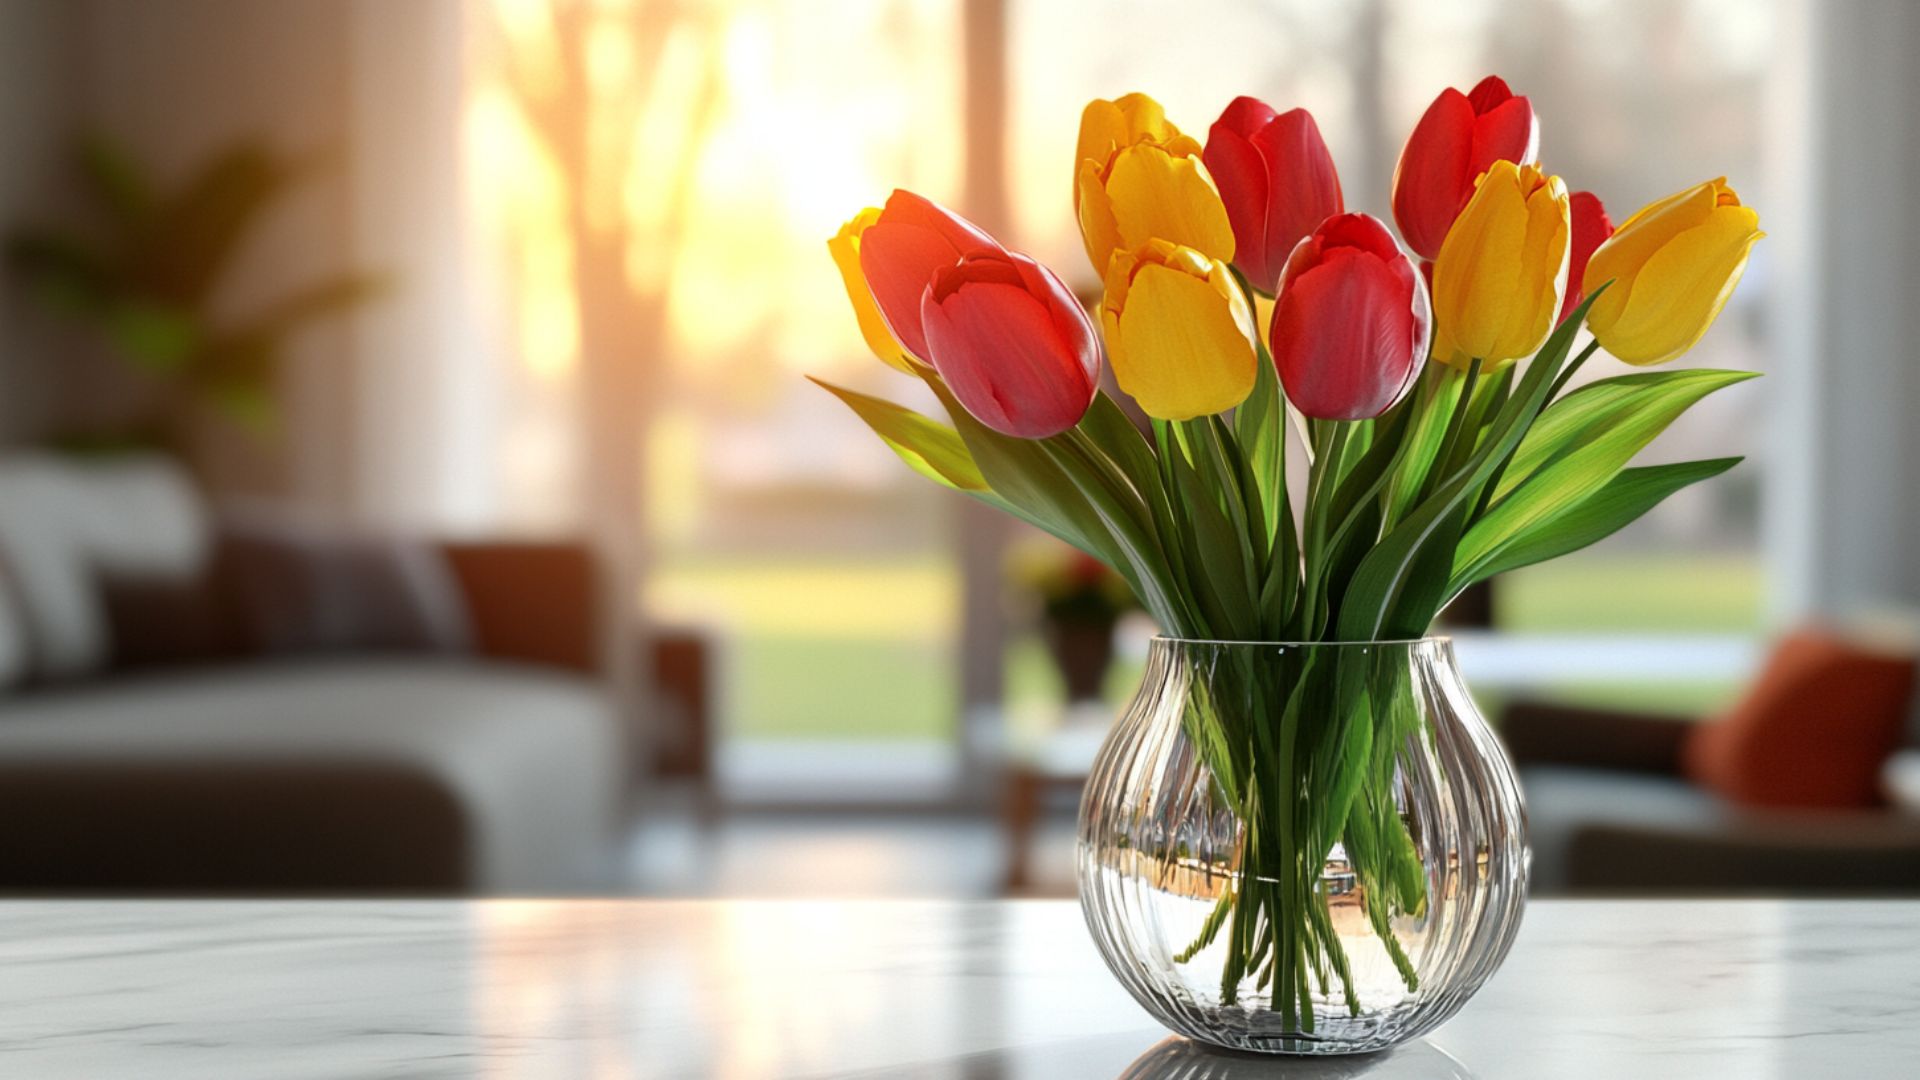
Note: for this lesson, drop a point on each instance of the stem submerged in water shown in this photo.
(1331, 753)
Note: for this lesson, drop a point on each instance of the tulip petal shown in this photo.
(1244, 116)
(1498, 282)
(1590, 229)
(1680, 291)
(1186, 347)
(1068, 315)
(1156, 194)
(1098, 231)
(1348, 335)
(1106, 126)
(1241, 173)
(1543, 264)
(845, 248)
(1478, 275)
(898, 261)
(1432, 182)
(1307, 188)
(910, 240)
(1637, 239)
(1510, 132)
(1000, 350)
(1488, 94)
(906, 208)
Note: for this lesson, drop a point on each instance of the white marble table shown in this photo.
(1755, 990)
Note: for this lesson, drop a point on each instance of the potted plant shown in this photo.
(1078, 601)
(142, 271)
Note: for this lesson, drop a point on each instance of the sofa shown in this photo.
(241, 703)
(1807, 785)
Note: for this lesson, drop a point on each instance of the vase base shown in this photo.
(1263, 1032)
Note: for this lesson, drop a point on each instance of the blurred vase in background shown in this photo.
(1077, 602)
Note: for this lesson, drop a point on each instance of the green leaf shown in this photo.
(1259, 427)
(1047, 484)
(929, 447)
(1580, 443)
(1434, 404)
(330, 296)
(1623, 500)
(1023, 473)
(63, 270)
(117, 182)
(1217, 576)
(1397, 587)
(154, 337)
(1126, 519)
(1113, 433)
(195, 232)
(1585, 414)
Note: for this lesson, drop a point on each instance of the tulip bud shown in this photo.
(1012, 343)
(845, 248)
(1139, 179)
(1591, 227)
(1277, 181)
(1673, 264)
(1179, 331)
(1459, 138)
(900, 251)
(1351, 324)
(1498, 282)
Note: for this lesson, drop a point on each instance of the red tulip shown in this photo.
(1277, 180)
(901, 251)
(1591, 227)
(1351, 325)
(1012, 343)
(1460, 136)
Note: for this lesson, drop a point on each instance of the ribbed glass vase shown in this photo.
(1302, 848)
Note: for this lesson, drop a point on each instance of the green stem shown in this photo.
(1442, 460)
(1559, 383)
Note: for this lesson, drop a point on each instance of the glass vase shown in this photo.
(1302, 848)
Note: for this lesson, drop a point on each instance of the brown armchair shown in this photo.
(1613, 803)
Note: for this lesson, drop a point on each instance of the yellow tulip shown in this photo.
(1502, 268)
(1673, 264)
(845, 248)
(1140, 179)
(1179, 331)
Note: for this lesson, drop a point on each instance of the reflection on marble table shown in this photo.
(513, 988)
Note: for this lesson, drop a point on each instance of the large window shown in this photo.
(703, 153)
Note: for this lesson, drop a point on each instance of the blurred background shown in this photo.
(410, 483)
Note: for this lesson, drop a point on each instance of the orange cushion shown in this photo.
(1815, 729)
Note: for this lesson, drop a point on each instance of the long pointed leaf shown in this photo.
(1622, 501)
(1393, 585)
(1613, 420)
(929, 447)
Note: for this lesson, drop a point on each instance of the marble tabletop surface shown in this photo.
(633, 988)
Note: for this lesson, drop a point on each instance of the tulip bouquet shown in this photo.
(1427, 378)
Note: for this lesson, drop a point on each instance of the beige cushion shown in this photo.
(65, 522)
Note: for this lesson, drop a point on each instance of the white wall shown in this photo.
(177, 81)
(37, 81)
(1846, 523)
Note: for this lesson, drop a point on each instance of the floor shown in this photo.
(825, 853)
